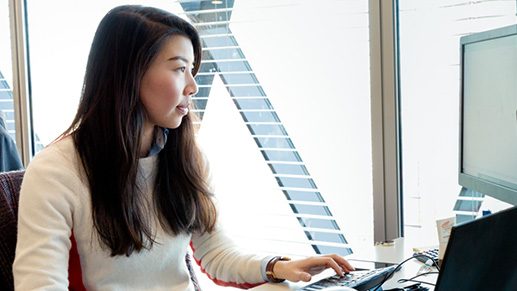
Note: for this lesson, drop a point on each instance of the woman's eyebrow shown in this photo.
(181, 59)
(178, 58)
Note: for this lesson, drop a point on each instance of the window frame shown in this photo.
(21, 89)
(385, 106)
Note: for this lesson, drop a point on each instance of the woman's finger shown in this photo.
(326, 262)
(344, 264)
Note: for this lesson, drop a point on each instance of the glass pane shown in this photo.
(7, 123)
(6, 69)
(288, 115)
(429, 58)
(285, 106)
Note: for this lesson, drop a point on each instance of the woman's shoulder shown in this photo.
(60, 149)
(54, 176)
(58, 157)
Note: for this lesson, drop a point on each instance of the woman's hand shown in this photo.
(304, 269)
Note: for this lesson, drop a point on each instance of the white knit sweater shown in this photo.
(55, 211)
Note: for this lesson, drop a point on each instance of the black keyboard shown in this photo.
(359, 280)
(433, 253)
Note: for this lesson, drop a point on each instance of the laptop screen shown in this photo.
(482, 254)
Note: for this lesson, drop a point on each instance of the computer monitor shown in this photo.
(488, 113)
(481, 255)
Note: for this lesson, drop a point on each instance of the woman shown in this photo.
(115, 203)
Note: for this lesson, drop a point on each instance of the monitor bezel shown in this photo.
(501, 192)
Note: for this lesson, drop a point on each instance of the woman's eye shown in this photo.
(182, 69)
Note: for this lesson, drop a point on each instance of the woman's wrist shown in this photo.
(272, 273)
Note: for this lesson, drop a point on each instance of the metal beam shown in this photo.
(386, 155)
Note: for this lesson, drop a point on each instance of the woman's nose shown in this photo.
(191, 88)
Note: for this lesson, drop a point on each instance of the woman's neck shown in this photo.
(147, 140)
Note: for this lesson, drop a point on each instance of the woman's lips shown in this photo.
(183, 109)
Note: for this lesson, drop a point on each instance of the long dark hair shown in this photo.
(107, 132)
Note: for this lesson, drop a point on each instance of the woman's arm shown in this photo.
(224, 263)
(304, 269)
(45, 220)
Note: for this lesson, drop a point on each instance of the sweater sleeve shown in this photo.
(45, 220)
(224, 263)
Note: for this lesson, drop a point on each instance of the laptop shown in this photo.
(481, 254)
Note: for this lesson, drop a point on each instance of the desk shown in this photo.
(367, 256)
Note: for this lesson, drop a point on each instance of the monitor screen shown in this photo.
(488, 113)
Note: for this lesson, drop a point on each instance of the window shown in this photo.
(284, 100)
(269, 114)
(286, 122)
(285, 105)
(429, 80)
(284, 96)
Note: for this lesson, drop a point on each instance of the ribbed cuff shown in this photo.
(263, 266)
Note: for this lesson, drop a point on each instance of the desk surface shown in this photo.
(366, 257)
